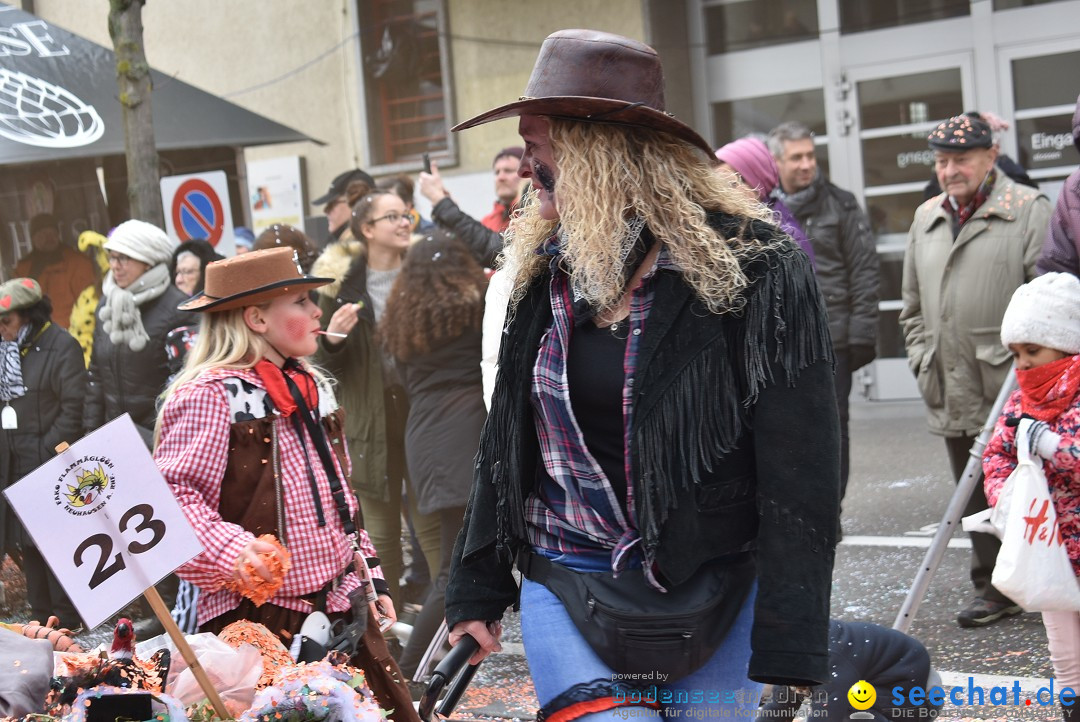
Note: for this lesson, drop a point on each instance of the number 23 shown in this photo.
(105, 569)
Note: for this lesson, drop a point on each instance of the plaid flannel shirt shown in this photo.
(192, 456)
(575, 508)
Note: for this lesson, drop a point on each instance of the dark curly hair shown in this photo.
(37, 314)
(438, 296)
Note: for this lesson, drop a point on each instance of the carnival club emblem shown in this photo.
(85, 485)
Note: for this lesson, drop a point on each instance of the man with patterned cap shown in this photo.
(968, 249)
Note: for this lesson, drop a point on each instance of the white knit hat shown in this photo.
(142, 241)
(1045, 311)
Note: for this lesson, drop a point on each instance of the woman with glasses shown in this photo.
(369, 385)
(189, 264)
(128, 364)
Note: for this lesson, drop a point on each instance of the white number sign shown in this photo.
(104, 519)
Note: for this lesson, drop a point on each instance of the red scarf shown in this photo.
(274, 380)
(1047, 390)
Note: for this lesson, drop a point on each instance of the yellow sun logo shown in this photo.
(90, 485)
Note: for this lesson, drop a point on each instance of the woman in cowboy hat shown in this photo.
(250, 440)
(663, 431)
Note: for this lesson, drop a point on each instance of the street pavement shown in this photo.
(898, 490)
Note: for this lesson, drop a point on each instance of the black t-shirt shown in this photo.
(594, 372)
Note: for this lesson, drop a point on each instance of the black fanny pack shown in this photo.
(636, 629)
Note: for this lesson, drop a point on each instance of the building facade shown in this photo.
(380, 82)
(871, 78)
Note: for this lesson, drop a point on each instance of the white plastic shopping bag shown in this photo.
(1033, 567)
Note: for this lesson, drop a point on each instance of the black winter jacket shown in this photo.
(751, 389)
(446, 413)
(484, 243)
(847, 261)
(49, 412)
(125, 381)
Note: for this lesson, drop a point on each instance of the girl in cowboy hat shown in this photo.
(250, 440)
(661, 454)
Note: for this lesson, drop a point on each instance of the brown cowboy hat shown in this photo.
(597, 77)
(251, 279)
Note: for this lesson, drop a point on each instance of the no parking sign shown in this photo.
(197, 206)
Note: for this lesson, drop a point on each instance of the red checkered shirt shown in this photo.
(192, 455)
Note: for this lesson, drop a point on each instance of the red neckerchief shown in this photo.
(273, 379)
(1047, 390)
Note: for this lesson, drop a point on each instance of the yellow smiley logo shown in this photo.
(862, 695)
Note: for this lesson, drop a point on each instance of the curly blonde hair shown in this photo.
(609, 174)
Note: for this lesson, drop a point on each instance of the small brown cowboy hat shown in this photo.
(597, 77)
(251, 279)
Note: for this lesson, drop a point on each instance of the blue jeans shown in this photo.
(560, 658)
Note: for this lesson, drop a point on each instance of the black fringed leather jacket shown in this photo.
(735, 446)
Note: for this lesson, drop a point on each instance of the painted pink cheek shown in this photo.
(297, 328)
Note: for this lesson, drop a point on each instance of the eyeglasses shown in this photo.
(188, 272)
(119, 259)
(393, 218)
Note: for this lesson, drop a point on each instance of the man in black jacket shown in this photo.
(484, 238)
(847, 262)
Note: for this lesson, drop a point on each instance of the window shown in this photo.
(1044, 109)
(1007, 4)
(896, 114)
(404, 50)
(735, 118)
(732, 25)
(857, 16)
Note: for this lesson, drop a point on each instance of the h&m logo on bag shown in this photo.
(1037, 528)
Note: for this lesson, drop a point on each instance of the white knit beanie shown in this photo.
(1045, 311)
(142, 241)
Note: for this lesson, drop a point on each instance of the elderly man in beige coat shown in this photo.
(968, 249)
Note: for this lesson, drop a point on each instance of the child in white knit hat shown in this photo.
(1041, 327)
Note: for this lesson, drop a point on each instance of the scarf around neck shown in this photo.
(277, 388)
(1047, 391)
(11, 379)
(797, 201)
(961, 214)
(120, 307)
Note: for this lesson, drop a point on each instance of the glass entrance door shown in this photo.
(894, 107)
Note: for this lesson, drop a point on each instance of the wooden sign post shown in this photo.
(108, 525)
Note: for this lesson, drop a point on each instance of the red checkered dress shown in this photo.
(192, 455)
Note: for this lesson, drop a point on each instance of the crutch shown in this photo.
(423, 668)
(972, 475)
(454, 674)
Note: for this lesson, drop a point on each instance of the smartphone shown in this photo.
(427, 162)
